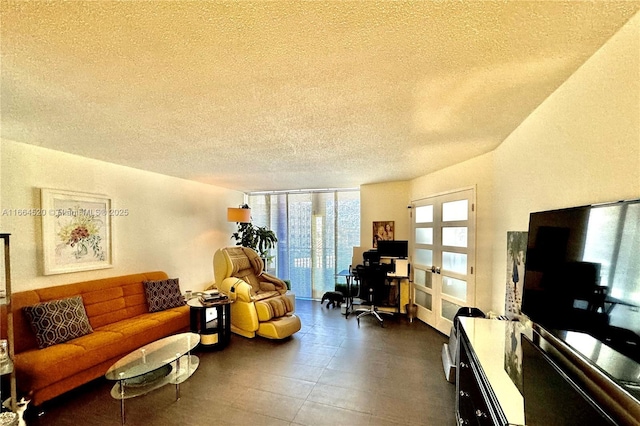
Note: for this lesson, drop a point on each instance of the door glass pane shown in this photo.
(449, 309)
(422, 277)
(424, 257)
(424, 299)
(455, 262)
(454, 287)
(424, 214)
(424, 235)
(455, 210)
(454, 236)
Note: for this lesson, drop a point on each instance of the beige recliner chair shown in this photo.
(260, 304)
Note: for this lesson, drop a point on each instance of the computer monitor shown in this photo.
(398, 249)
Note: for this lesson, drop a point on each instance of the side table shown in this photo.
(349, 277)
(212, 322)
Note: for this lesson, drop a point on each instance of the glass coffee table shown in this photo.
(164, 361)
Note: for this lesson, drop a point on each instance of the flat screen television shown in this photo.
(396, 248)
(582, 274)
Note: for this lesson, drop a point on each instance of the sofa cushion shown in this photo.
(58, 321)
(163, 294)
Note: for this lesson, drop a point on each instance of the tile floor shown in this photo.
(329, 373)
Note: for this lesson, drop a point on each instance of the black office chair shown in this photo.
(373, 290)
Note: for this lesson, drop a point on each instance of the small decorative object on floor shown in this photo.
(6, 366)
(412, 310)
(4, 349)
(335, 298)
(9, 418)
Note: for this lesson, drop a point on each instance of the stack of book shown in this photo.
(211, 298)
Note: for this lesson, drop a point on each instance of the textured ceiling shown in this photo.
(287, 95)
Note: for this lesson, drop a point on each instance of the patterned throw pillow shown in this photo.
(58, 321)
(163, 294)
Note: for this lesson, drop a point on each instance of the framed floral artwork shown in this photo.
(76, 231)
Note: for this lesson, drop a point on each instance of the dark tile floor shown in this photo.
(332, 372)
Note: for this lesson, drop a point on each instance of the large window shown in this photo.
(316, 234)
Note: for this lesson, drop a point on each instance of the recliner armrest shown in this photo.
(236, 289)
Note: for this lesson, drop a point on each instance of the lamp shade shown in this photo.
(237, 214)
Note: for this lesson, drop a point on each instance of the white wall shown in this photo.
(173, 224)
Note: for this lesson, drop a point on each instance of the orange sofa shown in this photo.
(117, 311)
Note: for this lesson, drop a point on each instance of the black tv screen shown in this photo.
(582, 273)
(397, 248)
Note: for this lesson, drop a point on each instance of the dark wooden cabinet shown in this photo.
(472, 404)
(510, 373)
(480, 373)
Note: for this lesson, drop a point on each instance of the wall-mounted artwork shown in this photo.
(513, 351)
(383, 231)
(516, 251)
(76, 231)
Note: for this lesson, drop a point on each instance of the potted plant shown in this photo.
(259, 238)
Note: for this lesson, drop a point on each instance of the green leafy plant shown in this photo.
(259, 238)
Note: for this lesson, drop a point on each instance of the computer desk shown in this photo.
(397, 279)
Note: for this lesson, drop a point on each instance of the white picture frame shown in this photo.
(76, 231)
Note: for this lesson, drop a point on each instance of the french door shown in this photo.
(443, 256)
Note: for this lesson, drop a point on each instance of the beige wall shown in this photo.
(173, 224)
(581, 145)
(384, 202)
